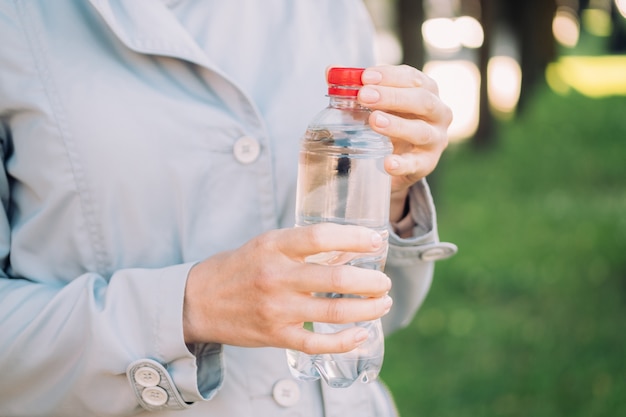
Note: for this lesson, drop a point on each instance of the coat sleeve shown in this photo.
(65, 349)
(411, 261)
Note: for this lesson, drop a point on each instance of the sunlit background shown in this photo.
(529, 318)
(452, 35)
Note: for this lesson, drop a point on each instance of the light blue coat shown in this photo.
(139, 137)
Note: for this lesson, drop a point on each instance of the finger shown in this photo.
(317, 343)
(409, 168)
(416, 132)
(326, 237)
(410, 102)
(398, 76)
(345, 309)
(343, 279)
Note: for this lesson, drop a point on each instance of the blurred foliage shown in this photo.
(529, 317)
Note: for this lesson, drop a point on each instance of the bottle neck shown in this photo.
(343, 102)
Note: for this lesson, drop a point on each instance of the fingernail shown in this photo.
(369, 95)
(387, 303)
(371, 77)
(394, 163)
(381, 120)
(361, 336)
(377, 239)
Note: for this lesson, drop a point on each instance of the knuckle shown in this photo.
(430, 103)
(264, 280)
(265, 242)
(426, 133)
(445, 140)
(395, 100)
(429, 83)
(335, 311)
(448, 116)
(337, 279)
(415, 77)
(308, 344)
(268, 310)
(422, 136)
(315, 235)
(268, 279)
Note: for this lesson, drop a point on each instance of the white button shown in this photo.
(147, 377)
(247, 149)
(438, 251)
(433, 254)
(286, 392)
(155, 396)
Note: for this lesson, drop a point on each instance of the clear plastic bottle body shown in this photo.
(341, 179)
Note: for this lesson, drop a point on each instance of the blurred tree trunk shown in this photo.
(532, 22)
(410, 16)
(617, 40)
(485, 133)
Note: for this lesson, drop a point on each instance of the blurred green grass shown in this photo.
(529, 318)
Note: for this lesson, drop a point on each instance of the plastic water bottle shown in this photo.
(341, 179)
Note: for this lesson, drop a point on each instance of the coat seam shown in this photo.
(45, 77)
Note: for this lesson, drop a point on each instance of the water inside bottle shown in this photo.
(341, 179)
(340, 370)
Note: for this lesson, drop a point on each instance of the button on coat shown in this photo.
(286, 392)
(246, 149)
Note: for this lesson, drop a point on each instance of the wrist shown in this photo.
(399, 206)
(400, 217)
(189, 311)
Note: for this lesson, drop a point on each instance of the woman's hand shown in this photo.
(406, 108)
(261, 293)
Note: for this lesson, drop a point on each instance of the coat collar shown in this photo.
(149, 27)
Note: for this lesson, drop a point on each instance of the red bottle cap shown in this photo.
(344, 81)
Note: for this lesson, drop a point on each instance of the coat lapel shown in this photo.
(149, 27)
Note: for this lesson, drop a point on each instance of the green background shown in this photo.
(528, 319)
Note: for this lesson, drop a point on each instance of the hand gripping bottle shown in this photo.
(341, 179)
